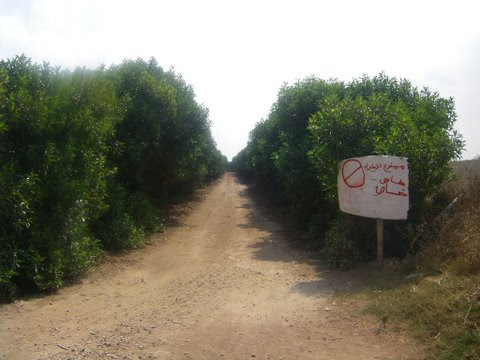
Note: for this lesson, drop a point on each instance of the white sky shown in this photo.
(237, 54)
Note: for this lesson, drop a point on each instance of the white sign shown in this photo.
(374, 187)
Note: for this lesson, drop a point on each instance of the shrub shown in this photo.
(392, 118)
(89, 160)
(314, 124)
(340, 250)
(54, 173)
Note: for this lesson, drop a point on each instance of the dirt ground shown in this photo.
(220, 283)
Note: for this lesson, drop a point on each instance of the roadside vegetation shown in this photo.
(435, 293)
(294, 156)
(433, 285)
(90, 161)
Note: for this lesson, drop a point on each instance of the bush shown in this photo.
(54, 171)
(315, 124)
(392, 118)
(340, 250)
(89, 160)
(127, 221)
(163, 143)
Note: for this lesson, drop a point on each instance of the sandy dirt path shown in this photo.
(220, 284)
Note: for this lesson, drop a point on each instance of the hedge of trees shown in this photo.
(294, 155)
(90, 159)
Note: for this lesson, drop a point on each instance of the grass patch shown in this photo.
(443, 311)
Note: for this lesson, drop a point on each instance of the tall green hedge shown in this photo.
(89, 161)
(315, 123)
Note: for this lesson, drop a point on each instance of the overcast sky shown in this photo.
(237, 54)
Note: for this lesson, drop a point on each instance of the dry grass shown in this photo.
(453, 245)
(438, 299)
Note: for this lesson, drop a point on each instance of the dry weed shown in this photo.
(442, 301)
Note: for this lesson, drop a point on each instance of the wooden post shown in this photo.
(379, 240)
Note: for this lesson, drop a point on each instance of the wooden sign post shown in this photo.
(374, 187)
(379, 239)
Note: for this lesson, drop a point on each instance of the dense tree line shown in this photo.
(295, 152)
(90, 159)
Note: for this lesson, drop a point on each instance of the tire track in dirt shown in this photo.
(222, 283)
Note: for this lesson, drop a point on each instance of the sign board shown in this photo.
(374, 187)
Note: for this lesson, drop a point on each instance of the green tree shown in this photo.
(386, 116)
(53, 173)
(90, 160)
(314, 124)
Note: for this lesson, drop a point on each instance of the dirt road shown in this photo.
(220, 284)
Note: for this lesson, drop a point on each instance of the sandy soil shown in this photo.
(221, 283)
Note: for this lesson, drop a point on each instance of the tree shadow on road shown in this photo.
(282, 243)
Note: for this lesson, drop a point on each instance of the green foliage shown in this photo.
(339, 247)
(314, 124)
(128, 218)
(54, 171)
(89, 160)
(385, 116)
(164, 141)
